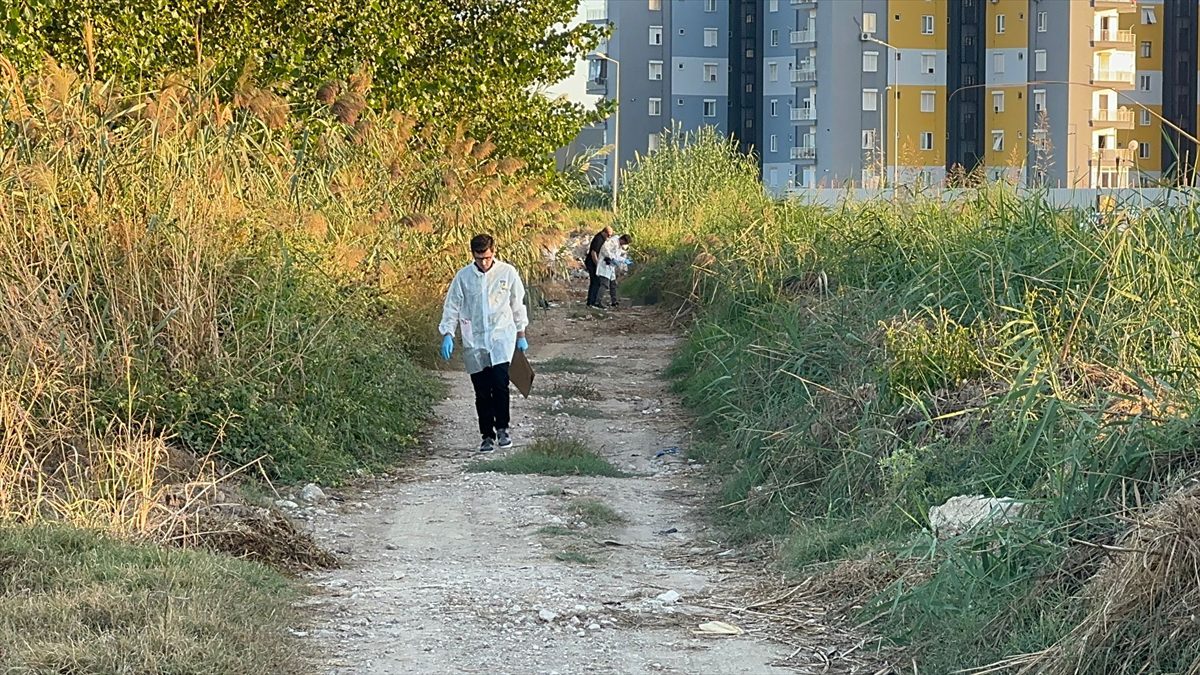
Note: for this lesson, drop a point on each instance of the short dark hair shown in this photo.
(626, 239)
(482, 243)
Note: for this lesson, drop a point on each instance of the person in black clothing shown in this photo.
(591, 262)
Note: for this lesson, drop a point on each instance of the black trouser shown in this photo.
(491, 399)
(593, 282)
(612, 291)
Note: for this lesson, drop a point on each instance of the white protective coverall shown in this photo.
(489, 310)
(613, 251)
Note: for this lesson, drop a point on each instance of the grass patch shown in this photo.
(563, 364)
(555, 531)
(577, 557)
(552, 457)
(582, 412)
(72, 601)
(595, 512)
(568, 390)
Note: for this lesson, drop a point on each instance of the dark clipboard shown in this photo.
(520, 373)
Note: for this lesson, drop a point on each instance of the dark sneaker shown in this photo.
(502, 439)
(488, 445)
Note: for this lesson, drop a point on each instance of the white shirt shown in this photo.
(613, 251)
(489, 310)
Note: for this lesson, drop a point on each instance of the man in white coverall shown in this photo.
(486, 301)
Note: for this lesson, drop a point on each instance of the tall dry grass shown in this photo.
(246, 280)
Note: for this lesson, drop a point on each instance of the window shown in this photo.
(1039, 100)
(774, 107)
(928, 101)
(710, 5)
(926, 140)
(1148, 16)
(927, 25)
(1143, 151)
(1144, 118)
(1147, 50)
(868, 22)
(710, 72)
(1039, 60)
(652, 142)
(998, 62)
(774, 145)
(654, 5)
(998, 101)
(655, 107)
(710, 37)
(870, 62)
(656, 35)
(1043, 21)
(773, 6)
(868, 139)
(1144, 83)
(773, 72)
(928, 62)
(998, 141)
(774, 37)
(710, 107)
(773, 176)
(870, 100)
(999, 24)
(656, 70)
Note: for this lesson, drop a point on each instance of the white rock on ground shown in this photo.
(312, 493)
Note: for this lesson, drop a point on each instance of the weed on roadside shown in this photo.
(595, 512)
(72, 601)
(555, 531)
(582, 412)
(577, 557)
(552, 457)
(563, 364)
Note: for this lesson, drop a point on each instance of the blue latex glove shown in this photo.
(447, 346)
(522, 344)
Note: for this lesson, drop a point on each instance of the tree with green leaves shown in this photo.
(482, 63)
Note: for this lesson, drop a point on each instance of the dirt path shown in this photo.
(451, 572)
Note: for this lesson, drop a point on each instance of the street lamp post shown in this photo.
(616, 163)
(893, 75)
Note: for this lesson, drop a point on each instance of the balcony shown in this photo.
(1112, 156)
(1113, 39)
(597, 86)
(805, 152)
(1119, 5)
(804, 3)
(799, 37)
(1121, 118)
(804, 114)
(806, 74)
(1112, 79)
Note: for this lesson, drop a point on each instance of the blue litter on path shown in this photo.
(673, 450)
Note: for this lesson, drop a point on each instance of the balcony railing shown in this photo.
(1113, 75)
(1113, 37)
(799, 37)
(804, 74)
(804, 114)
(804, 152)
(797, 3)
(1120, 117)
(1111, 155)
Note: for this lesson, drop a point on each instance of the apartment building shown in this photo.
(1167, 37)
(869, 92)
